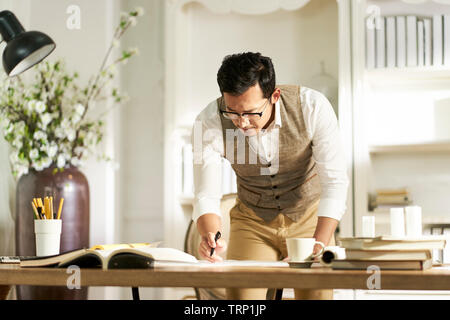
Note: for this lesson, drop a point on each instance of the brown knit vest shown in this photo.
(289, 183)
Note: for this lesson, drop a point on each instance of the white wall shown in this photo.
(83, 51)
(142, 122)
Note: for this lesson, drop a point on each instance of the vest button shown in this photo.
(269, 165)
(274, 187)
(272, 176)
(279, 208)
(277, 197)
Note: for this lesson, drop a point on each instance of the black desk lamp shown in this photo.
(24, 49)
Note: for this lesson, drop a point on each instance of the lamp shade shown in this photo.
(23, 49)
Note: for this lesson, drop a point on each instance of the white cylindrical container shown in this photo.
(397, 222)
(48, 236)
(368, 226)
(413, 218)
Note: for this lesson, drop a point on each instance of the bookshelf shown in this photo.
(401, 135)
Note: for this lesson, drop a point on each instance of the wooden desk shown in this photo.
(230, 277)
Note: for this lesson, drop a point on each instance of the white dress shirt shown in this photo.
(327, 152)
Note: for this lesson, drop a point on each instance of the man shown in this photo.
(287, 157)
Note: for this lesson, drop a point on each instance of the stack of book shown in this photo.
(389, 253)
(390, 198)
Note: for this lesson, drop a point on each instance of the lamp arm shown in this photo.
(10, 26)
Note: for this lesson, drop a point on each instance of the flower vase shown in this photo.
(72, 185)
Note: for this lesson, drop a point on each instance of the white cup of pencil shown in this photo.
(47, 226)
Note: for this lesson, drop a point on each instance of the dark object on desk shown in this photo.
(302, 264)
(24, 49)
(72, 185)
(217, 237)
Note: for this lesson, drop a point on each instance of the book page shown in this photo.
(166, 254)
(225, 263)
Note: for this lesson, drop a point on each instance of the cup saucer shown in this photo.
(301, 264)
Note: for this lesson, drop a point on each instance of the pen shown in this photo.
(215, 240)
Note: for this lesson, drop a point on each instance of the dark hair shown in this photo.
(241, 71)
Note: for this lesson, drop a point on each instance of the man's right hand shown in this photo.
(208, 243)
(208, 224)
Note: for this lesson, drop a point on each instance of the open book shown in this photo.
(112, 258)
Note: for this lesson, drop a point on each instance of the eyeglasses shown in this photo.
(251, 116)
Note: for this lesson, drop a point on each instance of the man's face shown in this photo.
(250, 101)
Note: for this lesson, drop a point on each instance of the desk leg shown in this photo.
(135, 292)
(274, 294)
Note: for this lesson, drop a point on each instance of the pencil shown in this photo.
(51, 208)
(46, 208)
(61, 201)
(35, 210)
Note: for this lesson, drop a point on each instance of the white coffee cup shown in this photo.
(301, 249)
(48, 236)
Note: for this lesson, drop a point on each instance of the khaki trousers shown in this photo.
(251, 238)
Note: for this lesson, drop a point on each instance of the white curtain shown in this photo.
(7, 202)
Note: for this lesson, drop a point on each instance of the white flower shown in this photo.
(52, 150)
(140, 11)
(134, 51)
(47, 162)
(71, 133)
(46, 118)
(79, 109)
(42, 164)
(65, 123)
(40, 106)
(39, 166)
(79, 150)
(20, 128)
(18, 142)
(113, 69)
(76, 118)
(21, 170)
(40, 135)
(61, 161)
(31, 105)
(116, 43)
(60, 133)
(76, 162)
(133, 21)
(34, 153)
